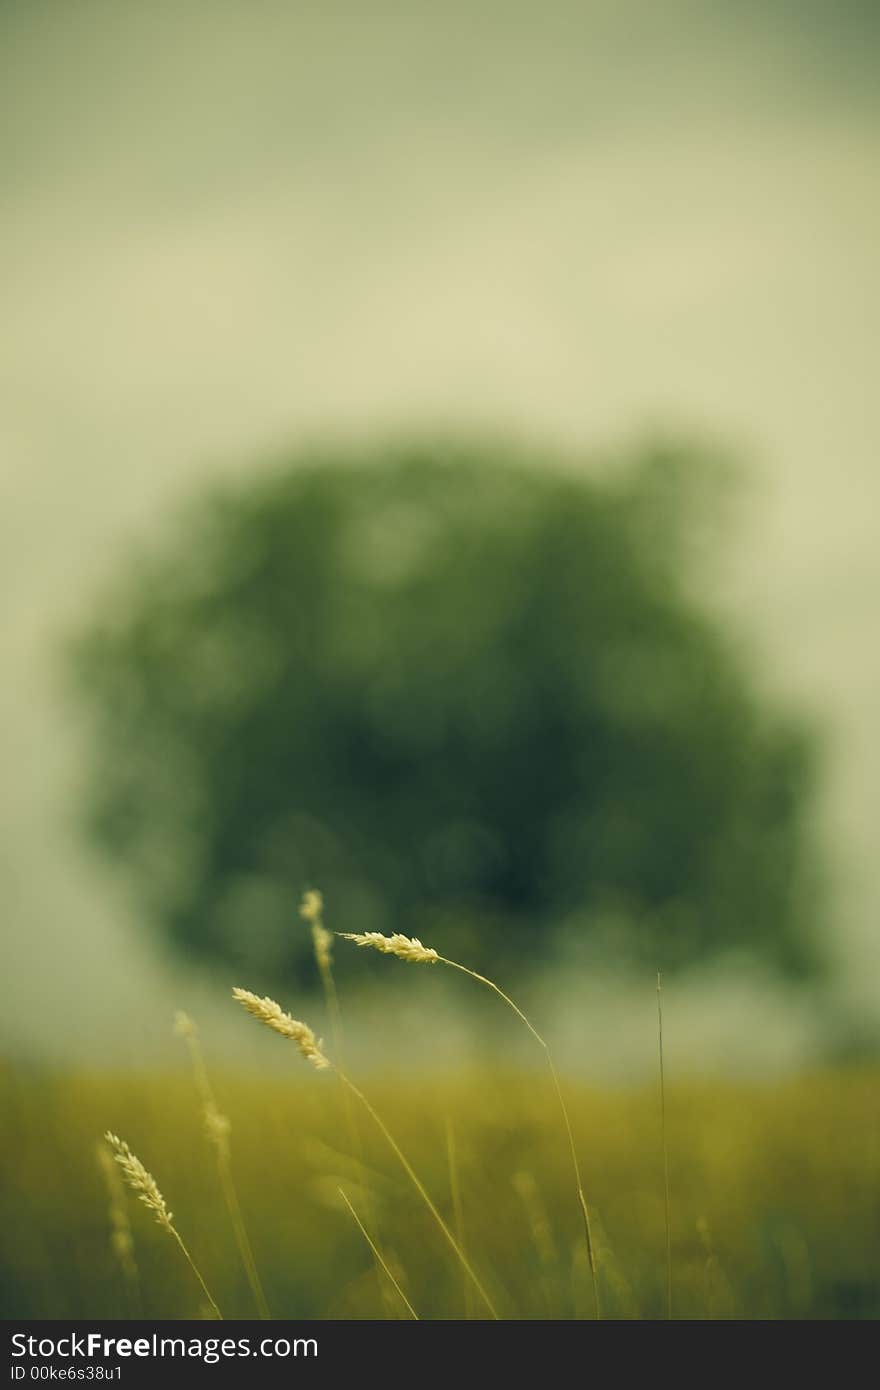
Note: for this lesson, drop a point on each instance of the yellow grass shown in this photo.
(217, 1129)
(271, 1014)
(412, 950)
(145, 1187)
(774, 1214)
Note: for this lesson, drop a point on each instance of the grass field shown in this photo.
(775, 1198)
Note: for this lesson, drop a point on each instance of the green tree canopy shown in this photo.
(471, 696)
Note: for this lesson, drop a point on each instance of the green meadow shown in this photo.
(774, 1200)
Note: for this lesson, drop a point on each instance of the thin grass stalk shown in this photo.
(665, 1148)
(312, 911)
(217, 1126)
(409, 948)
(270, 1013)
(197, 1272)
(421, 1189)
(144, 1184)
(377, 1255)
(582, 1201)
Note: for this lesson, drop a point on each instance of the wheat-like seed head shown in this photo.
(312, 910)
(140, 1181)
(322, 940)
(312, 905)
(217, 1126)
(272, 1014)
(184, 1027)
(405, 947)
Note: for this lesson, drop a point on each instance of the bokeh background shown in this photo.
(236, 236)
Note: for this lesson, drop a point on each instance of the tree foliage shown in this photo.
(472, 696)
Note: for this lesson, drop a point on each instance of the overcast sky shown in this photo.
(228, 227)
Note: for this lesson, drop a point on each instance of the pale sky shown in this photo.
(228, 228)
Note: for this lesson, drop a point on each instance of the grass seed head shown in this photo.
(217, 1127)
(311, 909)
(405, 947)
(312, 906)
(140, 1181)
(272, 1014)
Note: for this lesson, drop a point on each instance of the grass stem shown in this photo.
(378, 1256)
(665, 1148)
(582, 1201)
(420, 1188)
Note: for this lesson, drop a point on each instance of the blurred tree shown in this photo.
(468, 695)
